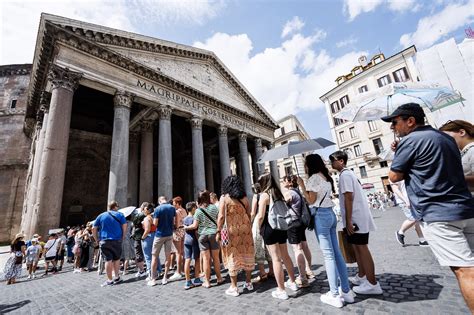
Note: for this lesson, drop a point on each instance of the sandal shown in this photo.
(206, 285)
(220, 282)
(310, 274)
(259, 279)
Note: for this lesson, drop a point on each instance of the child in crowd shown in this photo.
(191, 249)
(32, 257)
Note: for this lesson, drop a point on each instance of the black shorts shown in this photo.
(60, 255)
(296, 235)
(358, 238)
(138, 251)
(271, 236)
(111, 249)
(50, 258)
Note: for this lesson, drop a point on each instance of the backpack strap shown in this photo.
(207, 215)
(118, 221)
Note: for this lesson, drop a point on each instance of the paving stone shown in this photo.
(411, 277)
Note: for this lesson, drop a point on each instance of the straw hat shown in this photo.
(19, 235)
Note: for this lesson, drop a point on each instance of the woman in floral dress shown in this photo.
(234, 216)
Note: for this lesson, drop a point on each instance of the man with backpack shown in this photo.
(110, 228)
(297, 230)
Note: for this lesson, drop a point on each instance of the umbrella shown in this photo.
(383, 101)
(293, 148)
(386, 155)
(127, 211)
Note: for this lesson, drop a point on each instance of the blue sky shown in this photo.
(287, 53)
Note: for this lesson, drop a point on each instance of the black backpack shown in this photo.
(306, 218)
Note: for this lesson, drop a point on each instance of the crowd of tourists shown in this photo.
(432, 174)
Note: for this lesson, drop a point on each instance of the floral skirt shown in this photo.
(12, 270)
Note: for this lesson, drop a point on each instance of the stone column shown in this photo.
(165, 156)
(56, 139)
(244, 159)
(224, 152)
(118, 176)
(28, 219)
(258, 154)
(209, 171)
(274, 167)
(146, 162)
(132, 196)
(199, 177)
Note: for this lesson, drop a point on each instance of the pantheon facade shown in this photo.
(111, 115)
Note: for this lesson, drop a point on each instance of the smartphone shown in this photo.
(355, 227)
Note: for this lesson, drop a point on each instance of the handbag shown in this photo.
(225, 241)
(346, 248)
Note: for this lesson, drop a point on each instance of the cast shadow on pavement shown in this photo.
(7, 308)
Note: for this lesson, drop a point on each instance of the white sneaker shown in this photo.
(148, 279)
(29, 276)
(348, 297)
(232, 291)
(332, 300)
(151, 283)
(280, 294)
(368, 288)
(176, 276)
(291, 285)
(34, 276)
(164, 281)
(138, 274)
(248, 286)
(356, 280)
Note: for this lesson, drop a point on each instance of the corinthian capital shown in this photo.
(196, 122)
(242, 137)
(222, 130)
(123, 99)
(63, 78)
(165, 112)
(147, 125)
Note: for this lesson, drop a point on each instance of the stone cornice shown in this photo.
(87, 41)
(7, 70)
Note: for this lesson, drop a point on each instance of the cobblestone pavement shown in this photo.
(412, 280)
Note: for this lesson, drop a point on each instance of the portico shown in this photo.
(139, 118)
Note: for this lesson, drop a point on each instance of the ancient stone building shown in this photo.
(14, 146)
(116, 115)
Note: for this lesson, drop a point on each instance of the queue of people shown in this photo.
(437, 200)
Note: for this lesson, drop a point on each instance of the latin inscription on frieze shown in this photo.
(195, 107)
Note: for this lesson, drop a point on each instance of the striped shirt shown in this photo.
(206, 226)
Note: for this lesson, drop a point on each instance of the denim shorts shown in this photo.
(191, 251)
(208, 242)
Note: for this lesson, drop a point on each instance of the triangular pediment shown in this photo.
(198, 74)
(196, 68)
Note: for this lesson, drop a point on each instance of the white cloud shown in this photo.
(292, 26)
(287, 78)
(20, 18)
(346, 42)
(432, 28)
(355, 7)
(401, 5)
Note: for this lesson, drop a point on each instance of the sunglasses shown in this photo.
(395, 121)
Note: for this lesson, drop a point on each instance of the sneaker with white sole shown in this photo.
(423, 243)
(280, 294)
(356, 280)
(348, 297)
(291, 285)
(333, 300)
(232, 291)
(140, 274)
(176, 276)
(248, 286)
(368, 288)
(164, 281)
(151, 283)
(400, 238)
(107, 283)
